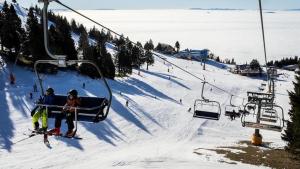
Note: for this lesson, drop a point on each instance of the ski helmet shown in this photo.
(73, 92)
(50, 90)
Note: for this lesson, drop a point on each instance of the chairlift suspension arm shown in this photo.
(206, 100)
(264, 39)
(45, 27)
(231, 101)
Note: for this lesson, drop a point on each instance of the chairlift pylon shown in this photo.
(199, 112)
(92, 109)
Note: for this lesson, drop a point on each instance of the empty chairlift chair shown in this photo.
(269, 115)
(206, 109)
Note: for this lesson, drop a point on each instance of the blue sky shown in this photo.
(171, 4)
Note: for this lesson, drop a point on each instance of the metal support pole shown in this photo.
(206, 100)
(76, 121)
(45, 27)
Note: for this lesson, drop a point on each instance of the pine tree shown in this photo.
(33, 41)
(83, 42)
(254, 64)
(2, 18)
(74, 27)
(12, 32)
(107, 65)
(149, 57)
(121, 60)
(292, 133)
(67, 41)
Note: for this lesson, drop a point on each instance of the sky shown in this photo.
(169, 4)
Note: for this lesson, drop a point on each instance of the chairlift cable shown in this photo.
(154, 53)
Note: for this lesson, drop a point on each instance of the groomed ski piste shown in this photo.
(154, 131)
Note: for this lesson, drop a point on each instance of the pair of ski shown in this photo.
(46, 141)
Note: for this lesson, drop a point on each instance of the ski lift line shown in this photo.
(264, 39)
(99, 24)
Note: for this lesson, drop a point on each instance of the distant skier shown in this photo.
(190, 109)
(127, 102)
(69, 112)
(180, 101)
(12, 78)
(83, 85)
(30, 95)
(41, 112)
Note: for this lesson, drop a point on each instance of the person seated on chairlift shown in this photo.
(41, 112)
(69, 112)
(232, 115)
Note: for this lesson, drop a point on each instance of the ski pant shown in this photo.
(40, 113)
(69, 119)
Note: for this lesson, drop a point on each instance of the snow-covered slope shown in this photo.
(154, 131)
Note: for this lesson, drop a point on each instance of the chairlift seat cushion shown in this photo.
(206, 115)
(83, 115)
(268, 120)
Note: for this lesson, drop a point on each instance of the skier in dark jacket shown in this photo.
(41, 112)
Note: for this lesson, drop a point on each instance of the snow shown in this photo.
(154, 131)
(228, 34)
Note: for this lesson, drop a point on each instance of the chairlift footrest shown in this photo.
(262, 126)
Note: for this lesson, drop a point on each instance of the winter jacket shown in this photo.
(48, 99)
(72, 103)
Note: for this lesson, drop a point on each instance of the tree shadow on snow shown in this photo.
(135, 108)
(6, 124)
(19, 104)
(105, 131)
(127, 115)
(166, 77)
(147, 88)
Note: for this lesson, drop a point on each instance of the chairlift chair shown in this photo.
(232, 109)
(92, 109)
(200, 112)
(275, 124)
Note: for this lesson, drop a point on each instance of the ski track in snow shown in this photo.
(154, 131)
